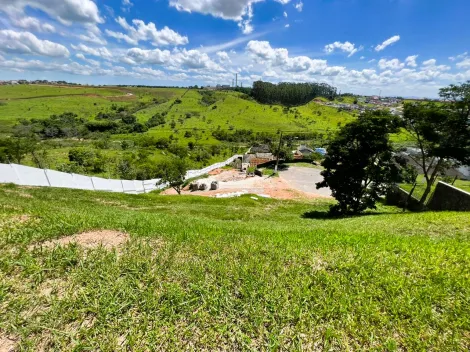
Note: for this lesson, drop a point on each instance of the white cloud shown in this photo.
(33, 24)
(284, 2)
(156, 56)
(227, 9)
(287, 25)
(372, 61)
(285, 14)
(240, 11)
(223, 56)
(90, 61)
(65, 11)
(461, 56)
(194, 59)
(388, 42)
(127, 4)
(149, 71)
(393, 64)
(464, 64)
(362, 58)
(140, 31)
(411, 61)
(91, 37)
(264, 54)
(99, 52)
(345, 47)
(299, 6)
(28, 43)
(431, 62)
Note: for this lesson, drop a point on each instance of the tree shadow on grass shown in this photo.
(325, 215)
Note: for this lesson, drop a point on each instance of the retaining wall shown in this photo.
(448, 197)
(399, 197)
(30, 176)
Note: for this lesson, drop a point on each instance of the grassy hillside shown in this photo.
(234, 274)
(191, 117)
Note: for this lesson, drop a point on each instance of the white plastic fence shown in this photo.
(30, 176)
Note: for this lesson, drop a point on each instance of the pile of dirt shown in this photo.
(109, 239)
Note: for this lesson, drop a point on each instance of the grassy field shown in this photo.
(234, 274)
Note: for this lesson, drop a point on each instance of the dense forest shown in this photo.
(290, 94)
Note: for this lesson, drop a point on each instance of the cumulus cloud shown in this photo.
(126, 5)
(65, 11)
(299, 6)
(227, 9)
(91, 37)
(194, 59)
(430, 62)
(156, 56)
(140, 31)
(464, 64)
(263, 53)
(90, 61)
(285, 14)
(240, 11)
(388, 42)
(33, 24)
(345, 47)
(149, 71)
(28, 43)
(223, 56)
(99, 52)
(411, 61)
(461, 56)
(393, 64)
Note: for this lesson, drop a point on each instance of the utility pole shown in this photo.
(278, 152)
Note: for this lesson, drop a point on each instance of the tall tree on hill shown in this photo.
(441, 133)
(359, 166)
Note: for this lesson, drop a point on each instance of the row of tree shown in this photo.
(291, 94)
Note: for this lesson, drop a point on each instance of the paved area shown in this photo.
(304, 179)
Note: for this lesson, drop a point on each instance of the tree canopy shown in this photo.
(290, 94)
(441, 133)
(359, 166)
(173, 172)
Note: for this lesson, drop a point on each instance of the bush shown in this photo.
(156, 120)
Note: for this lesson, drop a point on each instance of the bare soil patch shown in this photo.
(109, 239)
(7, 343)
(233, 181)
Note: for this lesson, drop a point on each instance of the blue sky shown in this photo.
(399, 47)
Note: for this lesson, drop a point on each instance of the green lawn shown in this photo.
(233, 274)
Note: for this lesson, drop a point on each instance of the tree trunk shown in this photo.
(426, 193)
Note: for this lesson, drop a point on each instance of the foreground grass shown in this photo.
(233, 274)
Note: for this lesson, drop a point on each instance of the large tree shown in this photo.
(359, 166)
(441, 132)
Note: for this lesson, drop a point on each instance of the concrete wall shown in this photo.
(30, 176)
(447, 197)
(398, 196)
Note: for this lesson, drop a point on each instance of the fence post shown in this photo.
(47, 177)
(92, 183)
(122, 185)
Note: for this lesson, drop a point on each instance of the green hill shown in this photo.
(237, 274)
(191, 118)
